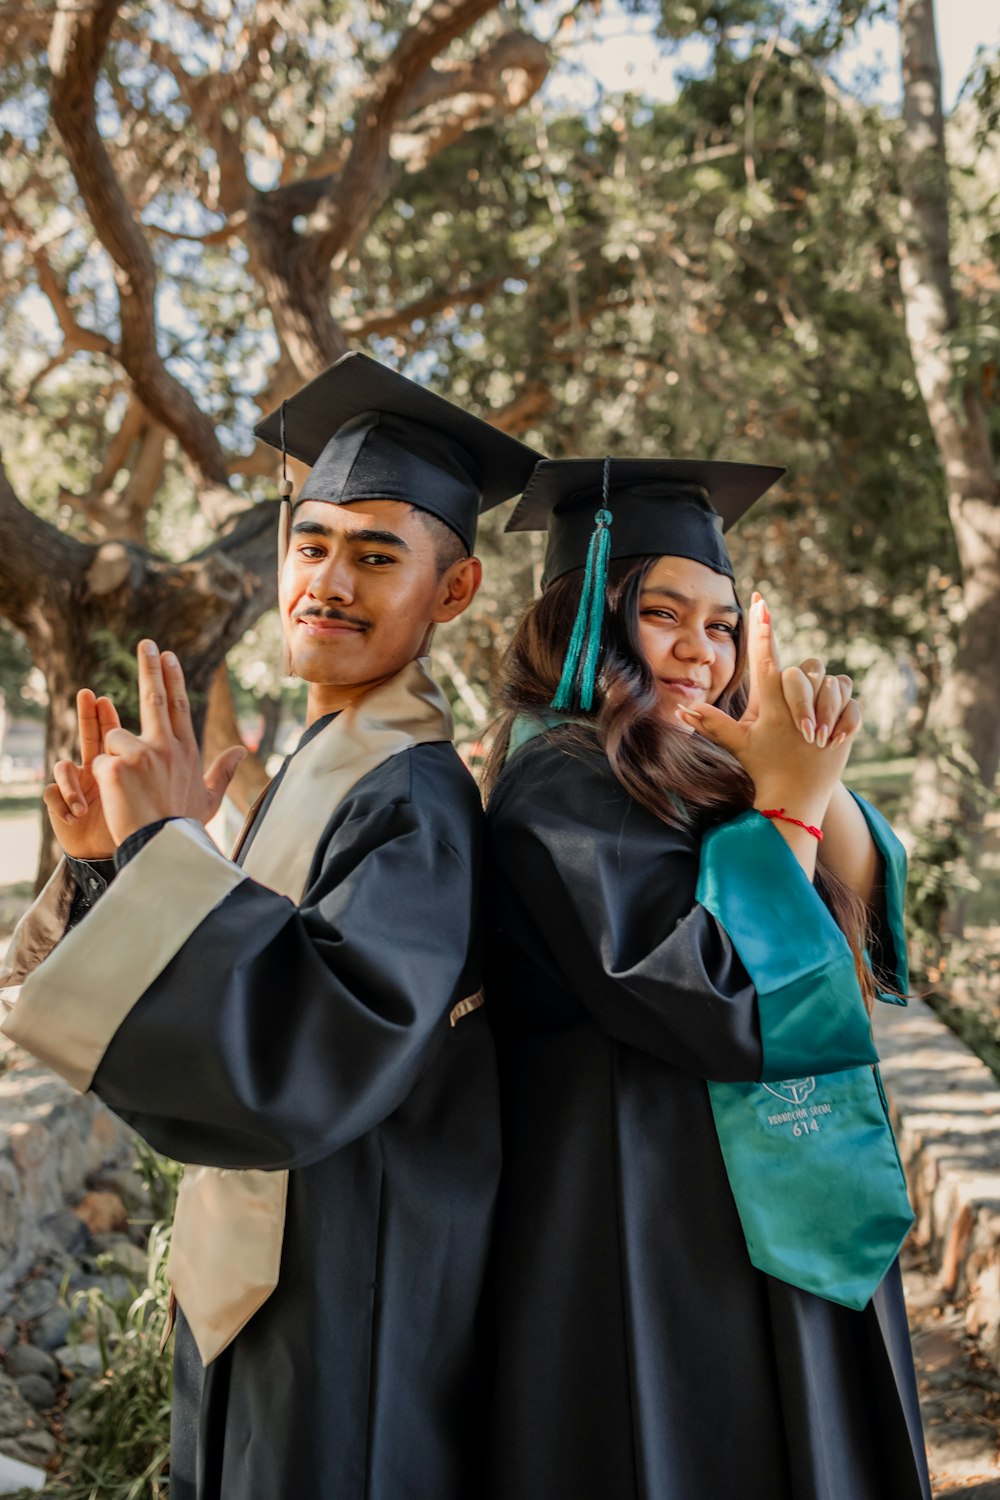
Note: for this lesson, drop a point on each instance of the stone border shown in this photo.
(51, 1140)
(946, 1110)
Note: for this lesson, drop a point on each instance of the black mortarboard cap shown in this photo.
(657, 505)
(370, 433)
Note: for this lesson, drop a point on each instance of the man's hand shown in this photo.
(158, 773)
(73, 799)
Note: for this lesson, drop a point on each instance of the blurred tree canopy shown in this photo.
(205, 203)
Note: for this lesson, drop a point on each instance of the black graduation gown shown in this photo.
(641, 1356)
(318, 1039)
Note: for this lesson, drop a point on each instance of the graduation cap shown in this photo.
(370, 433)
(597, 509)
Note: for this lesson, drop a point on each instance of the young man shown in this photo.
(303, 1023)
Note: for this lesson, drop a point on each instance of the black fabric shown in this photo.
(658, 506)
(130, 846)
(318, 1039)
(92, 877)
(641, 1356)
(371, 434)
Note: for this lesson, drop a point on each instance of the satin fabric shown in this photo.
(811, 1159)
(641, 1355)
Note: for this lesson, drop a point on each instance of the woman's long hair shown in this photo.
(681, 778)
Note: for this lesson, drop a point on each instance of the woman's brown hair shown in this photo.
(682, 779)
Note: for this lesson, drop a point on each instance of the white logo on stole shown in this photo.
(792, 1090)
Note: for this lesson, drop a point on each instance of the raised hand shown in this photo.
(158, 772)
(768, 741)
(73, 799)
(817, 701)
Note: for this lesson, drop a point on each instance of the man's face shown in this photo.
(360, 590)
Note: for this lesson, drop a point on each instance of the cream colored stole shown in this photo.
(225, 1253)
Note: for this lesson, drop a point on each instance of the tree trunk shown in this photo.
(222, 730)
(957, 769)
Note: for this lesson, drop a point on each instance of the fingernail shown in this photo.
(688, 713)
(80, 808)
(808, 730)
(169, 659)
(838, 739)
(765, 613)
(822, 737)
(149, 648)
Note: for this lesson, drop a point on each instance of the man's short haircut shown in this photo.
(448, 545)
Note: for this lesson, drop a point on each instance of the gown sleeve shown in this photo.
(888, 955)
(717, 957)
(234, 1029)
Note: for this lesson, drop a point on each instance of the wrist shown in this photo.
(809, 807)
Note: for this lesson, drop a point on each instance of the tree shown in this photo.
(163, 118)
(957, 771)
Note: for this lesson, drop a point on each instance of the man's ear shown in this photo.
(459, 586)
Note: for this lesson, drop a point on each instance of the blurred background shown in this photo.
(725, 228)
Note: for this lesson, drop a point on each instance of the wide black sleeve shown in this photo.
(277, 1034)
(594, 907)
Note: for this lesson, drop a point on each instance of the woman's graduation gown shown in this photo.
(641, 1355)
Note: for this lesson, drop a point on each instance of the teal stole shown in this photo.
(808, 1148)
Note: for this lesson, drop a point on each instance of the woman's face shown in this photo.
(688, 627)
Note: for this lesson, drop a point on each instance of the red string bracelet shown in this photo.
(779, 812)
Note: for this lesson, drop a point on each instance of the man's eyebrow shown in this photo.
(718, 608)
(383, 538)
(362, 534)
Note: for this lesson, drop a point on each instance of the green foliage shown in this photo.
(16, 694)
(123, 1416)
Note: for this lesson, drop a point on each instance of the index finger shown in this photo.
(89, 726)
(154, 714)
(762, 654)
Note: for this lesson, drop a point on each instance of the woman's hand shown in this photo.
(816, 701)
(768, 741)
(73, 799)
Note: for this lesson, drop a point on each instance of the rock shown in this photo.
(15, 1414)
(77, 1424)
(51, 1328)
(34, 1298)
(17, 1475)
(103, 1213)
(8, 1332)
(33, 1446)
(41, 1393)
(68, 1230)
(81, 1359)
(131, 1258)
(24, 1359)
(130, 1187)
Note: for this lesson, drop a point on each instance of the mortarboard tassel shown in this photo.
(284, 534)
(585, 640)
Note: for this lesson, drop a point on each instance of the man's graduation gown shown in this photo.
(641, 1355)
(327, 1040)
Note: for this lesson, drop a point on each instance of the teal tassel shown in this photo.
(585, 641)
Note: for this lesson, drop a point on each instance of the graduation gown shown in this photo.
(641, 1355)
(322, 1040)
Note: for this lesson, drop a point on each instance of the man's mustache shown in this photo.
(333, 614)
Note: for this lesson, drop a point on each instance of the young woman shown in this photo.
(698, 1294)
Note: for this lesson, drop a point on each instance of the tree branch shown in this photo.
(344, 212)
(395, 318)
(32, 548)
(75, 335)
(79, 38)
(454, 97)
